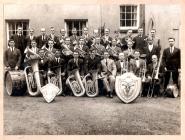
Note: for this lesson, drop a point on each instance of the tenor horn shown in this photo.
(91, 84)
(75, 83)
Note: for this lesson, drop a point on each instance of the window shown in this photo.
(129, 17)
(79, 24)
(12, 26)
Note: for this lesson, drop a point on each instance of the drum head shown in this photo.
(8, 83)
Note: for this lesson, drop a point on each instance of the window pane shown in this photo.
(128, 15)
(134, 16)
(134, 9)
(128, 22)
(128, 8)
(123, 16)
(122, 22)
(122, 8)
(134, 22)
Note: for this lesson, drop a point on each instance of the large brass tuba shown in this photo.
(91, 84)
(33, 78)
(74, 81)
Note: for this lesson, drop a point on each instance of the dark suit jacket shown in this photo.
(20, 42)
(172, 61)
(73, 38)
(41, 42)
(88, 40)
(12, 59)
(140, 43)
(114, 52)
(53, 64)
(104, 42)
(56, 41)
(124, 43)
(28, 40)
(150, 71)
(72, 65)
(149, 54)
(92, 64)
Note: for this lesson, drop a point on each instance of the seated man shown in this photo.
(122, 65)
(12, 56)
(152, 84)
(107, 71)
(56, 69)
(75, 64)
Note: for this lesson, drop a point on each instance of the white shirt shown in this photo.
(121, 63)
(12, 49)
(171, 49)
(137, 63)
(150, 47)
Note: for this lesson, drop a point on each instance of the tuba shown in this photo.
(91, 84)
(33, 77)
(74, 81)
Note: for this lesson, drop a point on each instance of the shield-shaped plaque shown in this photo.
(49, 92)
(127, 87)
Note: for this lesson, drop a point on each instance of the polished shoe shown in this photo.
(110, 95)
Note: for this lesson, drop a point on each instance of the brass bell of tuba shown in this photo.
(74, 81)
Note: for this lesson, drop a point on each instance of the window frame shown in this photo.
(138, 18)
(73, 20)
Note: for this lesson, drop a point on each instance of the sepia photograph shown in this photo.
(91, 69)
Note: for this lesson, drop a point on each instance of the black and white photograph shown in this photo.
(91, 69)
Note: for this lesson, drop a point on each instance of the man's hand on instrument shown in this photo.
(165, 68)
(63, 73)
(16, 67)
(149, 77)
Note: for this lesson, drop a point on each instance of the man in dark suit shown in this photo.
(53, 37)
(74, 38)
(75, 63)
(106, 39)
(171, 62)
(42, 39)
(127, 38)
(30, 37)
(156, 40)
(150, 50)
(140, 41)
(129, 52)
(12, 57)
(82, 49)
(86, 37)
(20, 43)
(62, 37)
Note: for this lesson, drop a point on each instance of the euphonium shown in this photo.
(75, 83)
(36, 77)
(91, 85)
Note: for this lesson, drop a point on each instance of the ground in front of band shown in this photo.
(100, 115)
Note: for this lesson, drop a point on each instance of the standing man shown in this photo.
(42, 39)
(53, 37)
(62, 37)
(106, 39)
(20, 43)
(171, 62)
(114, 50)
(129, 53)
(12, 57)
(74, 38)
(150, 50)
(107, 71)
(139, 41)
(30, 37)
(156, 40)
(86, 37)
(127, 38)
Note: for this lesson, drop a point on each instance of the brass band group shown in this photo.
(90, 65)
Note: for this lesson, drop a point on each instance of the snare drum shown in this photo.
(15, 82)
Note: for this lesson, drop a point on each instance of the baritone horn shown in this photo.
(91, 84)
(74, 81)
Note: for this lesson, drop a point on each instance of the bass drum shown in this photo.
(172, 91)
(15, 83)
